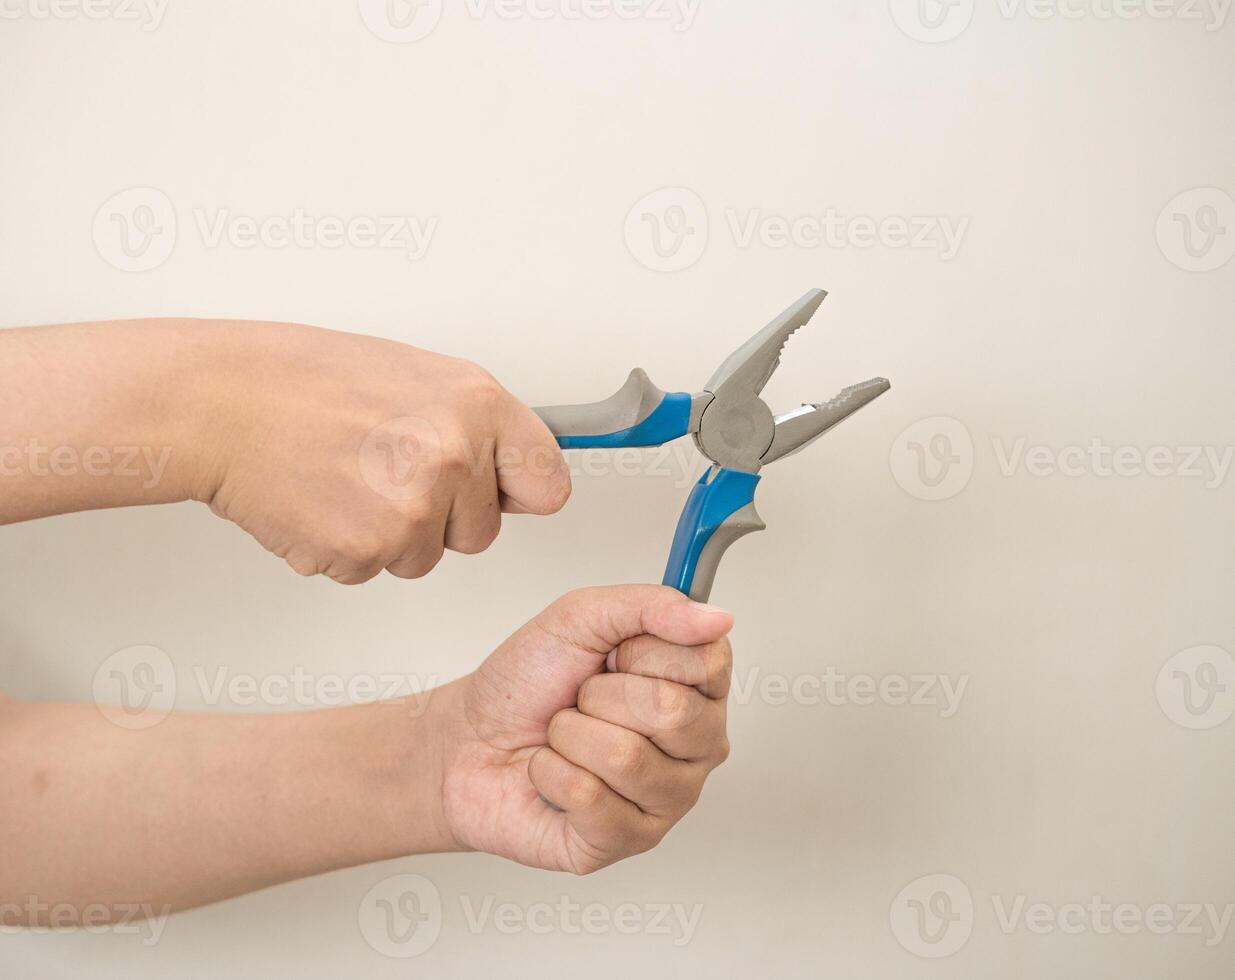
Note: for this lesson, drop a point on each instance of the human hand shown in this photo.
(611, 705)
(346, 454)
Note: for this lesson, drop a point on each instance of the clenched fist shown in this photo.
(346, 455)
(589, 733)
(341, 453)
(580, 741)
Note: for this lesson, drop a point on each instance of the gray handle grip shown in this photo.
(639, 414)
(737, 525)
(626, 408)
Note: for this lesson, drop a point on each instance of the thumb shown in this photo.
(599, 619)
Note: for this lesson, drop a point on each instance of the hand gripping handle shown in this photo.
(639, 414)
(719, 510)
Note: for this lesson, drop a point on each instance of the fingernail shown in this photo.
(704, 607)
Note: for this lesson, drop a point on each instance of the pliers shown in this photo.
(732, 426)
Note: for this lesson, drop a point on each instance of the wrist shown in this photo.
(213, 382)
(424, 727)
(168, 395)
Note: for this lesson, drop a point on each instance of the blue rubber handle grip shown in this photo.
(719, 510)
(668, 421)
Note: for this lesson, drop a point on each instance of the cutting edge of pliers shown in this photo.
(732, 427)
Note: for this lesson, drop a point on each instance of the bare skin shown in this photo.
(610, 704)
(342, 454)
(580, 741)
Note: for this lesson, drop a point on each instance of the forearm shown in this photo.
(202, 807)
(104, 414)
(342, 454)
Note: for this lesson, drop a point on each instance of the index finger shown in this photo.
(708, 667)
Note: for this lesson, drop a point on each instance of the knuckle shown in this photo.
(471, 545)
(302, 565)
(358, 547)
(650, 836)
(676, 705)
(458, 457)
(574, 603)
(429, 562)
(627, 756)
(351, 575)
(483, 389)
(579, 613)
(488, 534)
(688, 796)
(480, 535)
(719, 668)
(586, 792)
(422, 529)
(399, 570)
(416, 566)
(419, 521)
(474, 540)
(632, 653)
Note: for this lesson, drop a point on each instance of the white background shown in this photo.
(1064, 317)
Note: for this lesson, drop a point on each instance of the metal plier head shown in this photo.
(732, 426)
